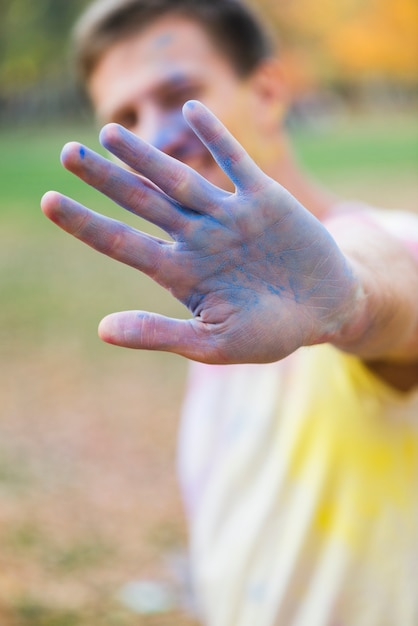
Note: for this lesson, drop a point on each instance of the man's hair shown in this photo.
(232, 25)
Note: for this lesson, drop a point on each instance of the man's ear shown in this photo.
(271, 97)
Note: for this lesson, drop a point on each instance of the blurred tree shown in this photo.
(350, 40)
(380, 39)
(33, 38)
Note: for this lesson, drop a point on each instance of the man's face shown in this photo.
(143, 81)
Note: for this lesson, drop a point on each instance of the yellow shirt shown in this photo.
(301, 485)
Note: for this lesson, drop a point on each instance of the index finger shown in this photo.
(225, 149)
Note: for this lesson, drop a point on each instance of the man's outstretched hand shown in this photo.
(259, 274)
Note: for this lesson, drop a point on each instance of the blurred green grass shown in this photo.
(366, 145)
(30, 165)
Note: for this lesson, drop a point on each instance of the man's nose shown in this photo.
(166, 131)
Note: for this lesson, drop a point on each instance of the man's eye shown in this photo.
(128, 119)
(180, 96)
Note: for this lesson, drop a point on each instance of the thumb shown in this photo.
(150, 331)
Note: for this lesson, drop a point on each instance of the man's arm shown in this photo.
(388, 273)
(259, 274)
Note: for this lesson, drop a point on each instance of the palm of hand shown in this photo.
(260, 275)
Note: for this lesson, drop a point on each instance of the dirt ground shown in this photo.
(88, 492)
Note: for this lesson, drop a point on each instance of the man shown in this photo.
(299, 441)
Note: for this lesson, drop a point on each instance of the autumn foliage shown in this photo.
(352, 41)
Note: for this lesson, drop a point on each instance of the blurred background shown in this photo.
(88, 493)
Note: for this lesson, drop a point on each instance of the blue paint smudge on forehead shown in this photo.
(82, 152)
(164, 40)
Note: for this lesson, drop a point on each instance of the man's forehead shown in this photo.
(134, 83)
(175, 32)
